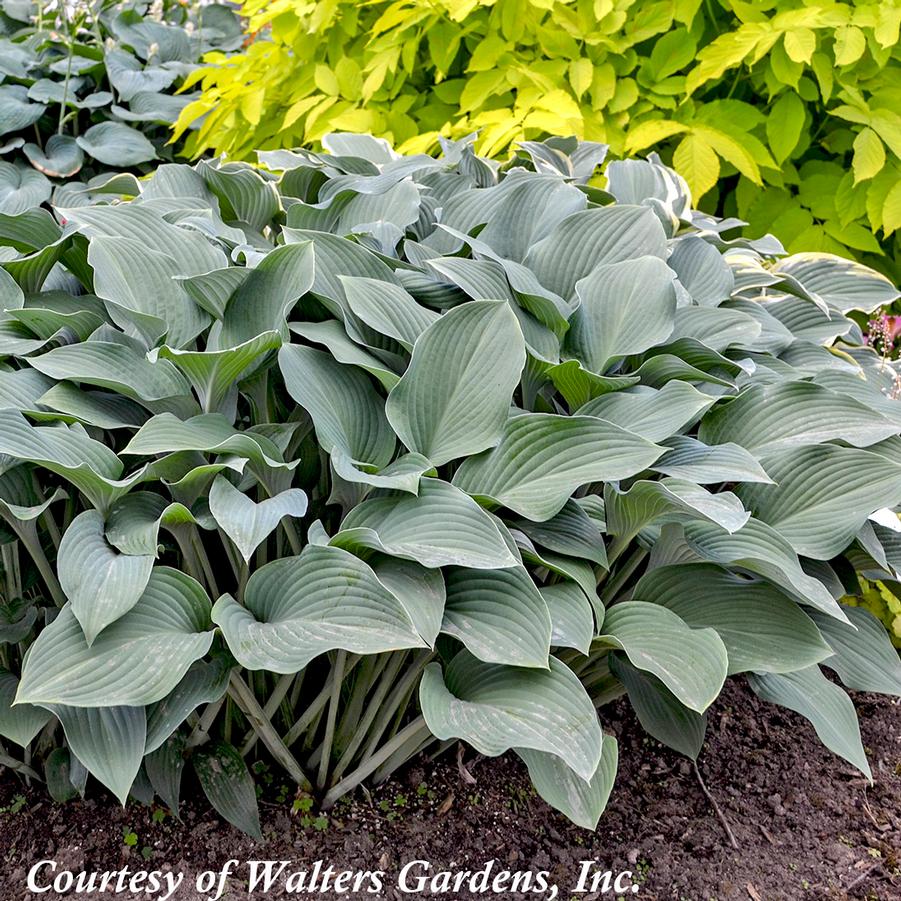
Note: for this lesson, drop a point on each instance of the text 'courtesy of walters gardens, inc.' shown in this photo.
(282, 877)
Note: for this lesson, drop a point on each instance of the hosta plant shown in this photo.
(88, 88)
(360, 454)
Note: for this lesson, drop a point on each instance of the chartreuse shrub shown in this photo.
(88, 87)
(784, 113)
(384, 452)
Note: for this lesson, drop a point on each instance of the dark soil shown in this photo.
(806, 824)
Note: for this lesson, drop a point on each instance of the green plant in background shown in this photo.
(325, 466)
(783, 112)
(88, 87)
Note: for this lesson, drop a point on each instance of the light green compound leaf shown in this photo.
(823, 703)
(499, 615)
(137, 660)
(583, 802)
(542, 458)
(247, 523)
(692, 663)
(455, 395)
(443, 526)
(346, 410)
(495, 708)
(625, 308)
(292, 615)
(762, 628)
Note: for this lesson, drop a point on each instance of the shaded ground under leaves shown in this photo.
(806, 824)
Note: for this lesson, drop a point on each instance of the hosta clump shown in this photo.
(357, 455)
(89, 88)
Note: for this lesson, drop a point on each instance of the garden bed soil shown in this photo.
(806, 824)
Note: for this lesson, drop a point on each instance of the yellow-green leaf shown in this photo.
(800, 44)
(581, 74)
(891, 210)
(869, 155)
(646, 134)
(698, 164)
(784, 124)
(850, 44)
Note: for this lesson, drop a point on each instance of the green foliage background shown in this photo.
(781, 112)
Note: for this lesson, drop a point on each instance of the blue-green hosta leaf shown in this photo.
(702, 271)
(864, 658)
(809, 322)
(214, 373)
(719, 329)
(118, 367)
(709, 463)
(654, 414)
(22, 722)
(16, 112)
(823, 495)
(209, 433)
(164, 768)
(135, 278)
(100, 583)
(137, 660)
(495, 708)
(109, 741)
(387, 308)
(403, 474)
(669, 499)
(823, 703)
(61, 156)
(205, 682)
(422, 590)
(659, 711)
(760, 549)
(192, 252)
(290, 616)
(456, 393)
(443, 526)
(572, 618)
(21, 389)
(133, 522)
(244, 194)
(213, 290)
(332, 335)
(571, 532)
(542, 458)
(692, 663)
(346, 410)
(762, 628)
(499, 615)
(116, 144)
(247, 523)
(262, 301)
(625, 308)
(68, 451)
(21, 188)
(843, 284)
(581, 801)
(790, 414)
(228, 785)
(592, 238)
(579, 386)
